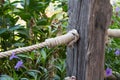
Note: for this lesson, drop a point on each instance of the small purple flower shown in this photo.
(13, 56)
(108, 72)
(117, 52)
(18, 65)
(117, 9)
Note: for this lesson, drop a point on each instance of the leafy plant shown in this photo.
(28, 24)
(112, 59)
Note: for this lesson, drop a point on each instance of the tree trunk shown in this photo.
(85, 60)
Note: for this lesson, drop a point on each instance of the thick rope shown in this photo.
(70, 38)
(114, 33)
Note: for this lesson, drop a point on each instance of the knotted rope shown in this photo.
(70, 38)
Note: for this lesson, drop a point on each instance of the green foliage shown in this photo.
(111, 59)
(26, 25)
(31, 23)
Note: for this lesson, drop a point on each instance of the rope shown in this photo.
(114, 33)
(70, 78)
(69, 39)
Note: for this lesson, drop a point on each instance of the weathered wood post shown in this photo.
(91, 18)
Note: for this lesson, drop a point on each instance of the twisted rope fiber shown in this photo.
(70, 38)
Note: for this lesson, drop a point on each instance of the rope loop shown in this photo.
(76, 37)
(70, 38)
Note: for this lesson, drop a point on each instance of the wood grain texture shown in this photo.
(91, 18)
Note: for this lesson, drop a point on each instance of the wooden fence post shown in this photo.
(91, 18)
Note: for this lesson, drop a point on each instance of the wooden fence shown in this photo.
(85, 60)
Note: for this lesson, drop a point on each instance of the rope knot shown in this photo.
(76, 37)
(70, 38)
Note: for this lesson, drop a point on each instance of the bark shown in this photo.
(91, 18)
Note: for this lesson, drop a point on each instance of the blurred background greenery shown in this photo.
(27, 22)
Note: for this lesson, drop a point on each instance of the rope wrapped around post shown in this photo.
(69, 39)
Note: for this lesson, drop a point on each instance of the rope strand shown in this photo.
(70, 38)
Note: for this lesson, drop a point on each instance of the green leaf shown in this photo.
(14, 2)
(33, 74)
(43, 69)
(18, 44)
(23, 32)
(42, 21)
(27, 2)
(5, 77)
(24, 79)
(2, 30)
(43, 54)
(24, 56)
(14, 27)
